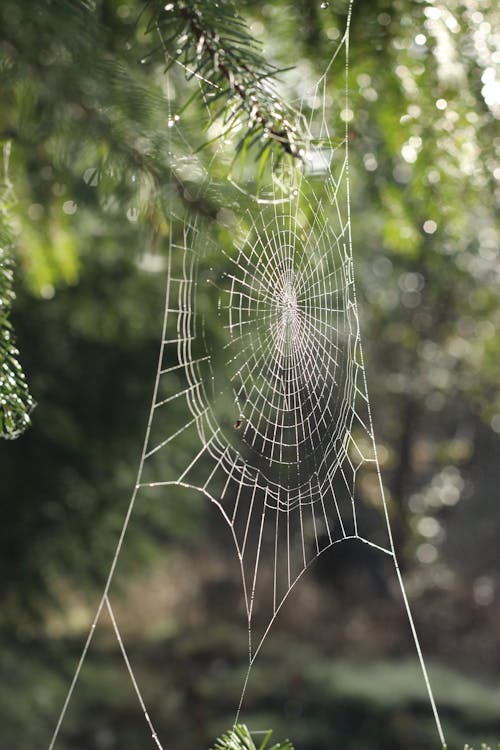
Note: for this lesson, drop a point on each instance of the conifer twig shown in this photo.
(214, 44)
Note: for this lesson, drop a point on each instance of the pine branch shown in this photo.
(117, 132)
(240, 738)
(16, 402)
(213, 43)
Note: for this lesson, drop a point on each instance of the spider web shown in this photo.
(276, 402)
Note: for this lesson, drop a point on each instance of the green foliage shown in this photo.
(240, 738)
(16, 402)
(214, 45)
(211, 42)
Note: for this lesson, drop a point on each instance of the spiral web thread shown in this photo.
(278, 405)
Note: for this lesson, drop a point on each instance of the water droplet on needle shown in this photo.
(324, 4)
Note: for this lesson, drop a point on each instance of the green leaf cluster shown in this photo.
(240, 738)
(16, 402)
(214, 45)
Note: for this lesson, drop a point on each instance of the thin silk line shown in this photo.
(389, 530)
(133, 679)
(123, 530)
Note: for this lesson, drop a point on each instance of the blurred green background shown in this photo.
(84, 110)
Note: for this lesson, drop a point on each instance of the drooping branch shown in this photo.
(213, 43)
(16, 402)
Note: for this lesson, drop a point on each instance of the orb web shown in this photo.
(274, 397)
(278, 387)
